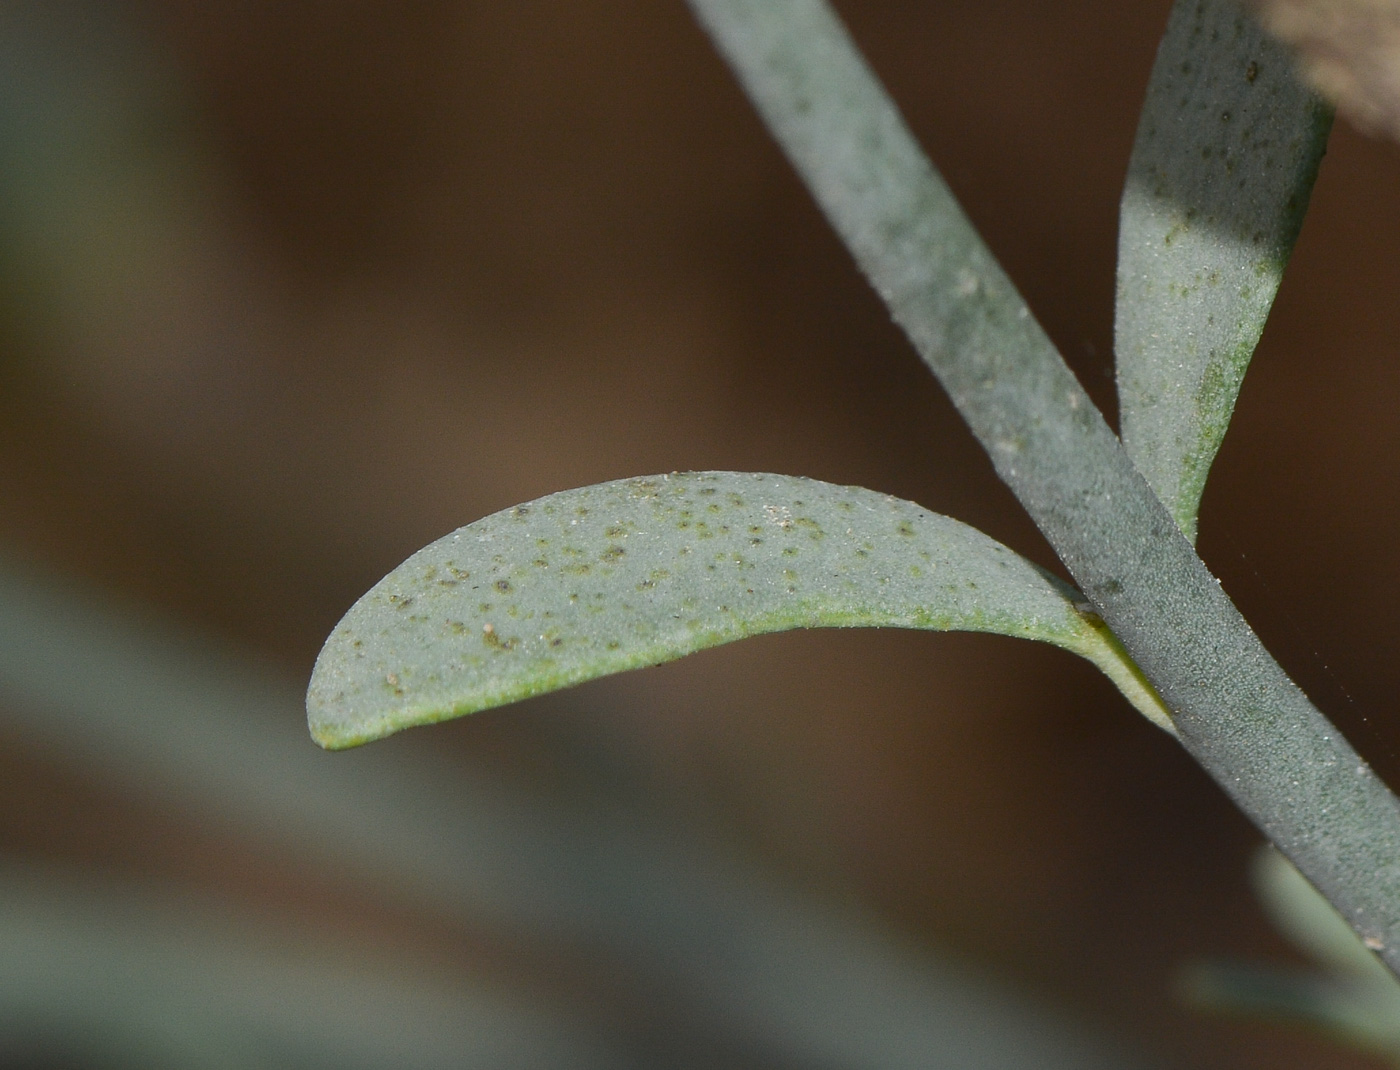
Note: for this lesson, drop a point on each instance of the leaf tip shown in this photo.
(335, 720)
(325, 736)
(332, 733)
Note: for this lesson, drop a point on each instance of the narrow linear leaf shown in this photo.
(1227, 150)
(1234, 708)
(641, 571)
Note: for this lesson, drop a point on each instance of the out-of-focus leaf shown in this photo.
(113, 975)
(1358, 1014)
(1356, 1001)
(1313, 925)
(1227, 150)
(641, 571)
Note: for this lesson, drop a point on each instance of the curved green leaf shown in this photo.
(641, 571)
(1227, 150)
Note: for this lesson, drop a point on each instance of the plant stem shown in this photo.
(1236, 711)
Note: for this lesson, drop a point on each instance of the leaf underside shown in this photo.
(1227, 149)
(641, 571)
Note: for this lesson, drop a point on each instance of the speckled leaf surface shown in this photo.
(1227, 149)
(641, 571)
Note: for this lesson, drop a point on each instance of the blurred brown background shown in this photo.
(383, 268)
